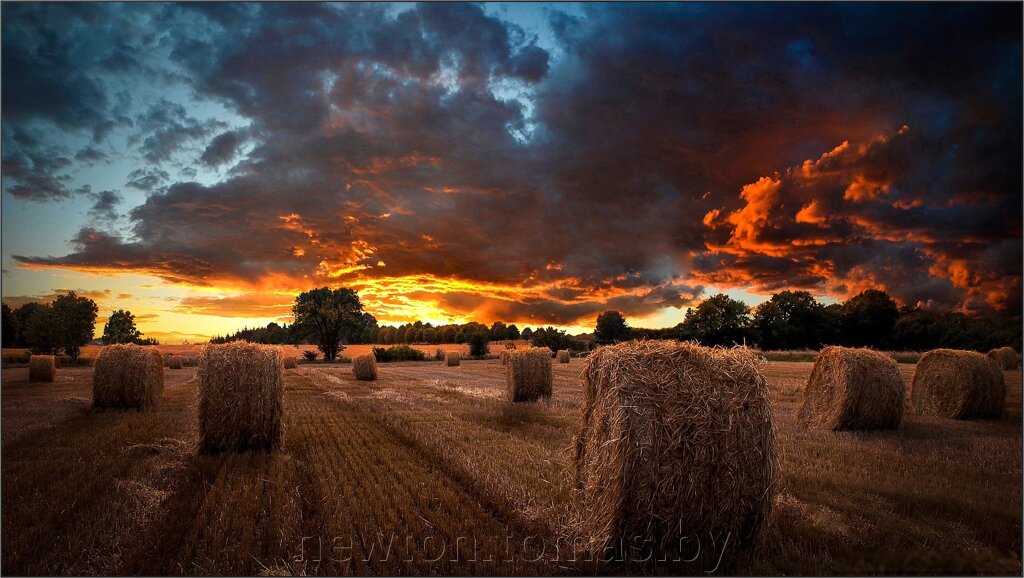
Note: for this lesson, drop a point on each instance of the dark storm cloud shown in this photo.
(663, 150)
(104, 207)
(222, 148)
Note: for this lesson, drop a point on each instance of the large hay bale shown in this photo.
(1005, 357)
(174, 362)
(853, 389)
(453, 358)
(364, 367)
(563, 356)
(128, 375)
(677, 444)
(528, 374)
(959, 385)
(240, 397)
(42, 368)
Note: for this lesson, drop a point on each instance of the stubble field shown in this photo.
(430, 471)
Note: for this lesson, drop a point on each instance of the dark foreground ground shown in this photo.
(429, 471)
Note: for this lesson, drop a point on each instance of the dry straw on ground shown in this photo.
(453, 358)
(563, 356)
(958, 384)
(240, 397)
(174, 362)
(291, 362)
(528, 374)
(853, 389)
(677, 443)
(42, 368)
(364, 367)
(1005, 357)
(128, 375)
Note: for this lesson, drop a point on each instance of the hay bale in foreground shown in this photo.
(677, 441)
(291, 362)
(453, 358)
(42, 368)
(1005, 357)
(240, 397)
(364, 367)
(563, 356)
(528, 374)
(174, 362)
(959, 385)
(504, 356)
(853, 389)
(128, 375)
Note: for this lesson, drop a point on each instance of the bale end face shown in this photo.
(528, 374)
(240, 397)
(291, 362)
(364, 367)
(453, 358)
(853, 389)
(504, 356)
(128, 375)
(563, 356)
(958, 385)
(174, 362)
(42, 368)
(1005, 357)
(677, 441)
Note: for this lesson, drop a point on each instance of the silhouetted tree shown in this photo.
(611, 328)
(76, 318)
(789, 320)
(868, 318)
(331, 315)
(718, 320)
(11, 328)
(120, 328)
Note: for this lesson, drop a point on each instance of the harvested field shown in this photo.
(437, 468)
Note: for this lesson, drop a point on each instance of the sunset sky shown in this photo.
(200, 164)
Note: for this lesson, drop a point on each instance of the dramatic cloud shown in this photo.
(448, 163)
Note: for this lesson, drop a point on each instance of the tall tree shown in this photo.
(611, 328)
(789, 320)
(718, 320)
(869, 318)
(330, 315)
(76, 318)
(42, 330)
(120, 328)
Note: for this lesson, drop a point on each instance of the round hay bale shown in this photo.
(504, 356)
(853, 389)
(174, 362)
(528, 374)
(291, 362)
(364, 367)
(240, 397)
(128, 375)
(453, 358)
(563, 356)
(42, 368)
(677, 443)
(959, 385)
(1005, 357)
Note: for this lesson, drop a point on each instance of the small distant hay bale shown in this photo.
(853, 389)
(1005, 357)
(364, 367)
(291, 362)
(128, 375)
(677, 441)
(959, 385)
(188, 360)
(528, 374)
(174, 362)
(453, 358)
(42, 368)
(504, 356)
(563, 356)
(240, 397)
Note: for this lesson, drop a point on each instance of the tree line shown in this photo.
(795, 320)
